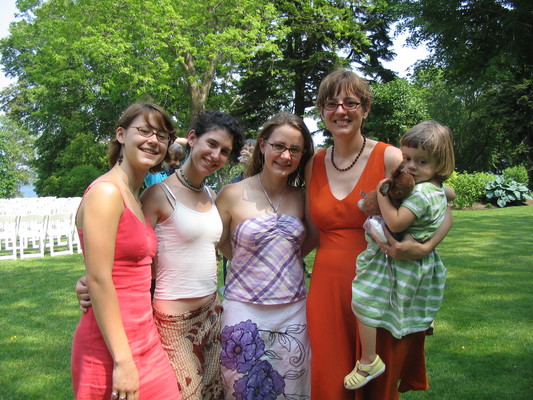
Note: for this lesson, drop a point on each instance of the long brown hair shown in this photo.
(255, 166)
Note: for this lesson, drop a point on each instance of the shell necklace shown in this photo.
(187, 183)
(268, 197)
(128, 186)
(354, 161)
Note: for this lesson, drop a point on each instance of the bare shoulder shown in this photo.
(102, 202)
(152, 195)
(297, 193)
(229, 193)
(392, 158)
(102, 193)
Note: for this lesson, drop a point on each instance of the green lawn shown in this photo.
(482, 347)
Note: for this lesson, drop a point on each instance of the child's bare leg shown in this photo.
(370, 366)
(367, 335)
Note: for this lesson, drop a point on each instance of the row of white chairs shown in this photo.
(39, 205)
(33, 231)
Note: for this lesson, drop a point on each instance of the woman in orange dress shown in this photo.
(335, 178)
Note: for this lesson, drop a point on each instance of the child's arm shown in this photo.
(397, 220)
(450, 193)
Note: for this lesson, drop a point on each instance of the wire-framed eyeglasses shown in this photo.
(348, 105)
(146, 132)
(280, 148)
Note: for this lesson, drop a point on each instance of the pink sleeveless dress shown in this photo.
(92, 365)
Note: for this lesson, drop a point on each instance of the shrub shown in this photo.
(517, 174)
(506, 192)
(469, 188)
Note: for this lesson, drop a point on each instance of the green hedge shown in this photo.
(483, 187)
(469, 188)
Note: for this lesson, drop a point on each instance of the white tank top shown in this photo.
(186, 255)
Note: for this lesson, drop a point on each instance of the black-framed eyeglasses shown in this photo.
(348, 105)
(146, 132)
(280, 148)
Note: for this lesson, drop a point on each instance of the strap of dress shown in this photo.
(170, 196)
(209, 194)
(89, 188)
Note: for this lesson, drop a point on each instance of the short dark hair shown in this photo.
(206, 121)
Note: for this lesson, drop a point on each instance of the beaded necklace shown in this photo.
(354, 161)
(187, 183)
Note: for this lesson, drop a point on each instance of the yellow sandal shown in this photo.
(355, 380)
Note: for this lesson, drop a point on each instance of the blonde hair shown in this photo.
(436, 139)
(345, 79)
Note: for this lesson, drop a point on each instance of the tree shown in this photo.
(398, 106)
(81, 162)
(318, 37)
(482, 48)
(79, 63)
(16, 154)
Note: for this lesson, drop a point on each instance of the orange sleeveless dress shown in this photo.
(331, 322)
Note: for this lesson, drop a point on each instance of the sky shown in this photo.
(405, 58)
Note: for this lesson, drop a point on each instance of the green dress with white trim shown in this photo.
(403, 296)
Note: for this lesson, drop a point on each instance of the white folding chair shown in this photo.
(59, 237)
(32, 235)
(8, 237)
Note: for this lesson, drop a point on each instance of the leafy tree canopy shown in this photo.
(16, 153)
(481, 50)
(319, 36)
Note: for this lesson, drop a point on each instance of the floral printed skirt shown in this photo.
(192, 343)
(265, 351)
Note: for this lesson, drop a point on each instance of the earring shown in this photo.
(120, 156)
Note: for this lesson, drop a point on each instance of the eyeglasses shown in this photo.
(280, 148)
(348, 105)
(162, 136)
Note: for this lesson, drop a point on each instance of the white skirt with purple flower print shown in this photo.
(265, 351)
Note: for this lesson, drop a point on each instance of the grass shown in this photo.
(482, 347)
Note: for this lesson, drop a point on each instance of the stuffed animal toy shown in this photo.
(397, 187)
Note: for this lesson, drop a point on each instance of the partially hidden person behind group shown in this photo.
(335, 180)
(176, 153)
(244, 158)
(265, 344)
(188, 227)
(404, 296)
(116, 350)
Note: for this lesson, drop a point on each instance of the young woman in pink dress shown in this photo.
(116, 351)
